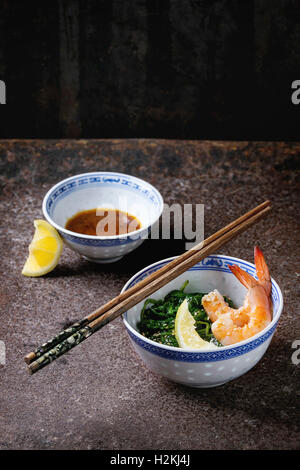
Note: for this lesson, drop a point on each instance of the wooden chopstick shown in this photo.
(149, 285)
(120, 298)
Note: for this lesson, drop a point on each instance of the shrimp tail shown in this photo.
(245, 278)
(262, 270)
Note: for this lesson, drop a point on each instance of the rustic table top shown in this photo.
(100, 395)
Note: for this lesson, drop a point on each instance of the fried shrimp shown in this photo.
(233, 325)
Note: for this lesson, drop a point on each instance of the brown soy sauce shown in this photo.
(103, 222)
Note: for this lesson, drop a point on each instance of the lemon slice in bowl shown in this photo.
(44, 250)
(185, 331)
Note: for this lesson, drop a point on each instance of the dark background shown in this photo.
(199, 69)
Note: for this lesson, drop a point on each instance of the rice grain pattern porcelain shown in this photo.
(107, 190)
(203, 368)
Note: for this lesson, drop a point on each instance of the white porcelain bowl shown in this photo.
(200, 368)
(103, 190)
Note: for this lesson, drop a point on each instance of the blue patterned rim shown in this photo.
(212, 263)
(109, 179)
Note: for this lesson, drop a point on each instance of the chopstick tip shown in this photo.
(29, 358)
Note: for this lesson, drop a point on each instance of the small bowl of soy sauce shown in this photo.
(103, 215)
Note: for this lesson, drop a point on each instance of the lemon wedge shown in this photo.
(185, 332)
(44, 250)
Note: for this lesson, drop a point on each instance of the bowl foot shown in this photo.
(103, 260)
(190, 385)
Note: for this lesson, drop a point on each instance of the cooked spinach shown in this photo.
(158, 317)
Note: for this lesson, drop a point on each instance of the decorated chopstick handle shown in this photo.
(60, 349)
(41, 350)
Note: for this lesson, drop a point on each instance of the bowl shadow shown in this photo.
(149, 252)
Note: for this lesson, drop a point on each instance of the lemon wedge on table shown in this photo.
(44, 250)
(185, 331)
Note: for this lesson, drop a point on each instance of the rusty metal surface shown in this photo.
(195, 69)
(100, 396)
